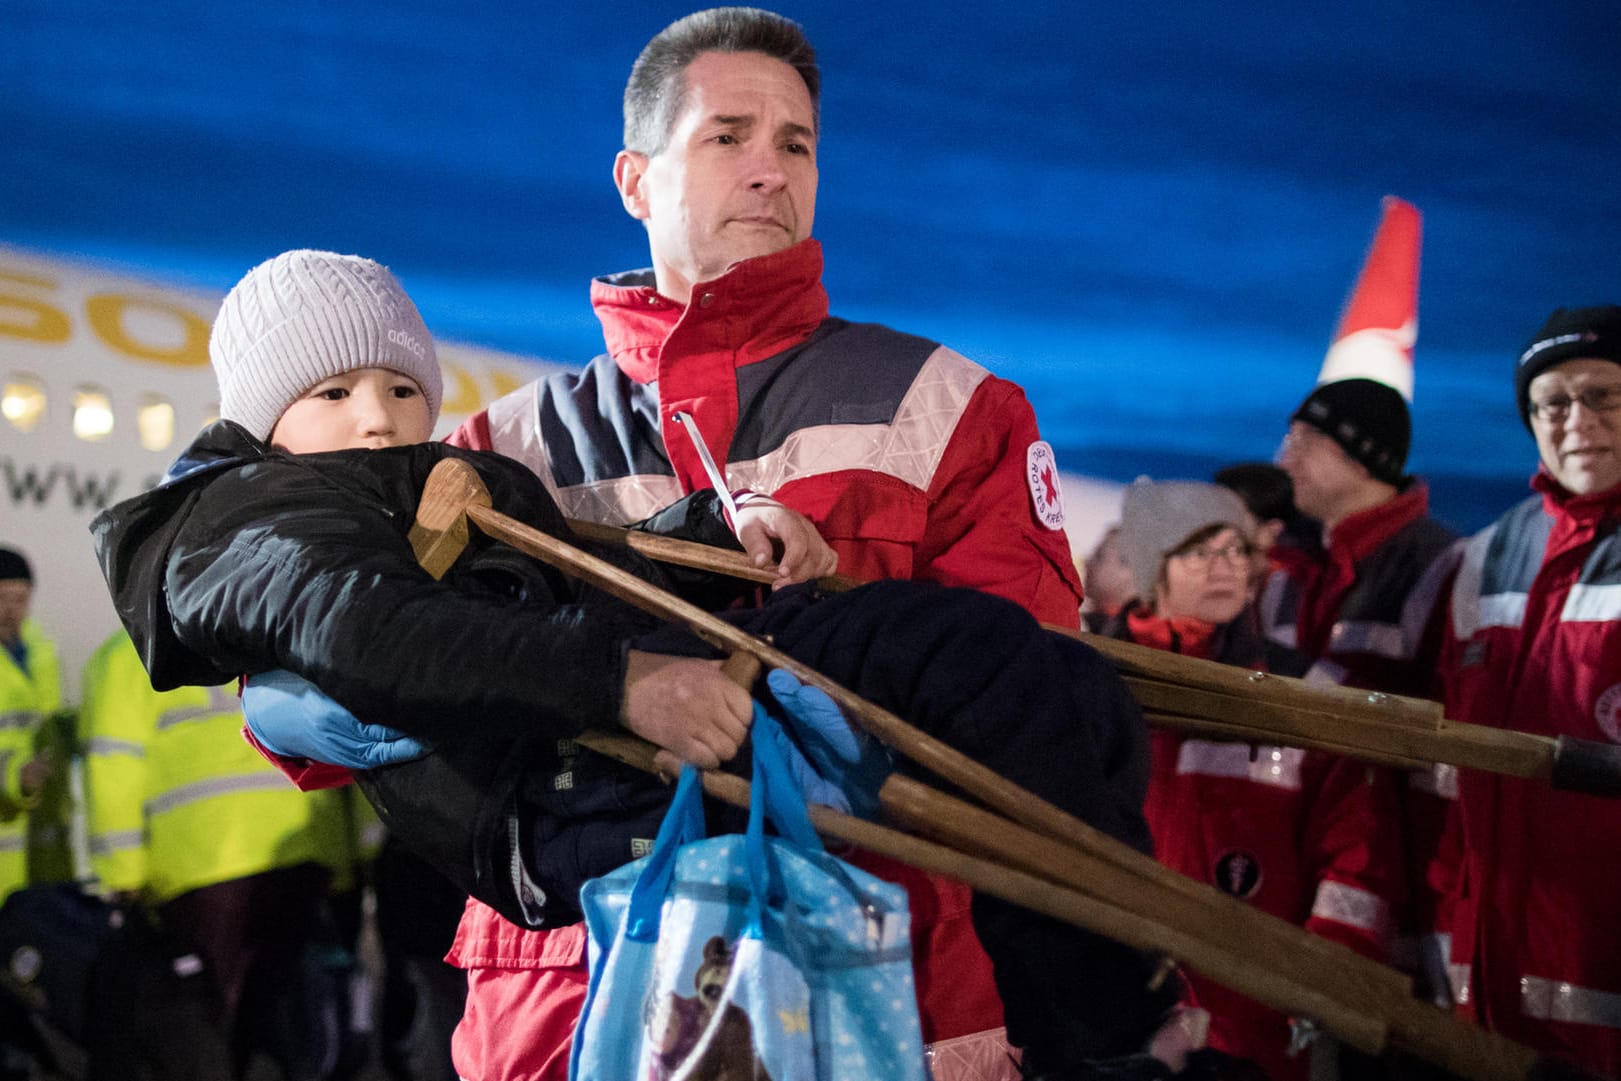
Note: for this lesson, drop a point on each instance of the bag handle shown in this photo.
(683, 823)
(775, 797)
(776, 786)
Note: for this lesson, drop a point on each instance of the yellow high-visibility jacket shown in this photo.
(176, 798)
(25, 699)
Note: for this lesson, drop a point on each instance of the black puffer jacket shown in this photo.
(247, 559)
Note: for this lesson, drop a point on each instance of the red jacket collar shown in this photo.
(1188, 636)
(1360, 534)
(755, 310)
(1560, 501)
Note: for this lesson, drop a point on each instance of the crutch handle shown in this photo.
(742, 669)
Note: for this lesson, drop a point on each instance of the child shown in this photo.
(269, 547)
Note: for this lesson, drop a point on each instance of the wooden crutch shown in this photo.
(1217, 701)
(1382, 1010)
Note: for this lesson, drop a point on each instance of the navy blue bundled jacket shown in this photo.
(248, 559)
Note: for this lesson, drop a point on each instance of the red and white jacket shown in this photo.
(1536, 647)
(912, 461)
(1368, 613)
(1305, 836)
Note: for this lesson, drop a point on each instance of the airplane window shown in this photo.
(92, 414)
(155, 422)
(23, 403)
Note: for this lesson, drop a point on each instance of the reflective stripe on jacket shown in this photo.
(1364, 614)
(176, 798)
(1305, 836)
(1368, 613)
(1536, 647)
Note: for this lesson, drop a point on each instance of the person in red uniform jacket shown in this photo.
(912, 461)
(1367, 612)
(1301, 835)
(1535, 646)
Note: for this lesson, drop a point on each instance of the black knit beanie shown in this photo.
(1569, 334)
(1368, 419)
(14, 567)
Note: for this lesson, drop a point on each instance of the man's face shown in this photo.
(368, 408)
(1582, 449)
(15, 596)
(736, 179)
(1325, 478)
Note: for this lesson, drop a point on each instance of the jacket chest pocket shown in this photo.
(873, 521)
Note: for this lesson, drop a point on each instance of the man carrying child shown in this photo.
(276, 544)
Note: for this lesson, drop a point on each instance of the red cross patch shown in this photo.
(1041, 471)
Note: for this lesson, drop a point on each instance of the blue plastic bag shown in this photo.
(746, 956)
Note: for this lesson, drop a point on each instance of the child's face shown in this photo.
(368, 408)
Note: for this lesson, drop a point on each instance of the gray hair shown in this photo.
(657, 90)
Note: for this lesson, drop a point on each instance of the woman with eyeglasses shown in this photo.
(1298, 834)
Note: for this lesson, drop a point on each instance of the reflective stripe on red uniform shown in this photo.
(1368, 613)
(1305, 836)
(1536, 647)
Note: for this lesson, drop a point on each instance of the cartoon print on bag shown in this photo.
(686, 1027)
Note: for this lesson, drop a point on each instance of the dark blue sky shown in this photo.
(1149, 215)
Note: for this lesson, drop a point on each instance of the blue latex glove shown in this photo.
(841, 754)
(815, 787)
(290, 716)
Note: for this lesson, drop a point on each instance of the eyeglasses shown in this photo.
(1200, 556)
(1556, 410)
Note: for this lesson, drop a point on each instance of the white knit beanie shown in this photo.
(306, 316)
(1158, 518)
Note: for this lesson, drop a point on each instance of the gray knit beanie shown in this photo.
(305, 316)
(1158, 518)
